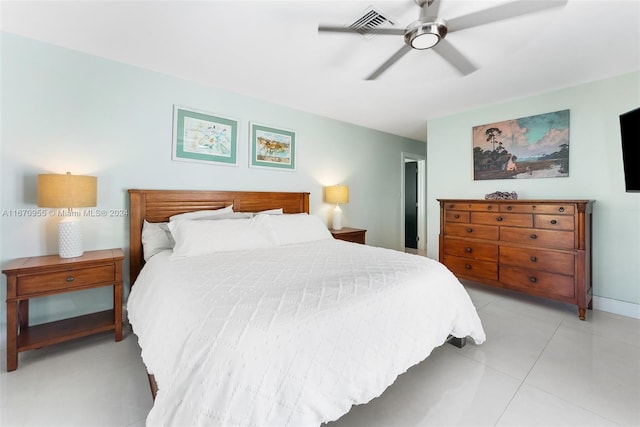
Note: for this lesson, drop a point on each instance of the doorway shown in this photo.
(413, 204)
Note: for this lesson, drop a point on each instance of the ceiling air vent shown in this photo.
(371, 18)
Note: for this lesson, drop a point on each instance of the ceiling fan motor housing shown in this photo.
(422, 35)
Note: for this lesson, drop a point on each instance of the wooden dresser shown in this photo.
(539, 247)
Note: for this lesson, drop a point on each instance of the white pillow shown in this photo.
(278, 211)
(204, 237)
(297, 228)
(202, 214)
(232, 215)
(156, 237)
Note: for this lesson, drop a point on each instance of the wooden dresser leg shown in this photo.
(581, 312)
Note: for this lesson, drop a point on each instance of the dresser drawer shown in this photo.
(457, 216)
(554, 222)
(537, 237)
(472, 269)
(474, 231)
(471, 249)
(502, 219)
(560, 209)
(63, 280)
(539, 259)
(461, 206)
(538, 282)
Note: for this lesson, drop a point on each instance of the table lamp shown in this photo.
(68, 191)
(337, 194)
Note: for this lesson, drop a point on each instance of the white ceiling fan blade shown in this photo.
(349, 30)
(454, 57)
(389, 62)
(501, 12)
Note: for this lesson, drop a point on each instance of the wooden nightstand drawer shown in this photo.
(63, 280)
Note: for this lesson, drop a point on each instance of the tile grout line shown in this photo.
(528, 372)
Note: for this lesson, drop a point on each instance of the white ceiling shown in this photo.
(272, 50)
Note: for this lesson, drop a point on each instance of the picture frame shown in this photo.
(272, 147)
(203, 137)
(529, 147)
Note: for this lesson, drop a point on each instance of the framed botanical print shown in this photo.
(199, 136)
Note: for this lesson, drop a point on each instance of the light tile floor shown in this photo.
(540, 366)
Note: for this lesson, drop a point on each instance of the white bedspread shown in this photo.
(289, 336)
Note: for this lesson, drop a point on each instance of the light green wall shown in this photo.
(596, 172)
(62, 110)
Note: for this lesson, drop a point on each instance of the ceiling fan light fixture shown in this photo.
(425, 35)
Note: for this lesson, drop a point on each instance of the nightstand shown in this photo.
(355, 235)
(50, 275)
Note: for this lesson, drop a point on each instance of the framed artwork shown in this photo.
(272, 147)
(199, 136)
(529, 147)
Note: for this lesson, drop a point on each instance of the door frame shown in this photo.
(422, 223)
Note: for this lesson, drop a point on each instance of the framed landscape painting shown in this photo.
(529, 147)
(199, 136)
(272, 147)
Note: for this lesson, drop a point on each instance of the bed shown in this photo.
(279, 324)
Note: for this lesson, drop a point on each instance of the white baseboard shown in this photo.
(622, 308)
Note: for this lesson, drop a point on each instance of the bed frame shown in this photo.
(159, 205)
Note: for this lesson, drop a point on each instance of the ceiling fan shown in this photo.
(430, 30)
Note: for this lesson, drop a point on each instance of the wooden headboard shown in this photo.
(159, 205)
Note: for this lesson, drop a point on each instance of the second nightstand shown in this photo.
(49, 275)
(356, 235)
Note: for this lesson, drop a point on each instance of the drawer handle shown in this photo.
(490, 207)
(469, 230)
(561, 209)
(533, 236)
(452, 206)
(467, 266)
(70, 279)
(456, 216)
(499, 219)
(468, 250)
(554, 222)
(533, 279)
(509, 208)
(533, 259)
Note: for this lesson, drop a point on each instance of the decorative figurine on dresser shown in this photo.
(539, 247)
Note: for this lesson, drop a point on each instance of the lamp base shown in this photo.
(70, 238)
(337, 218)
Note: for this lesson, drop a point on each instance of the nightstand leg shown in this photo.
(117, 309)
(12, 336)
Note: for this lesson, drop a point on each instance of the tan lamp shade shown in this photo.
(336, 194)
(66, 191)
